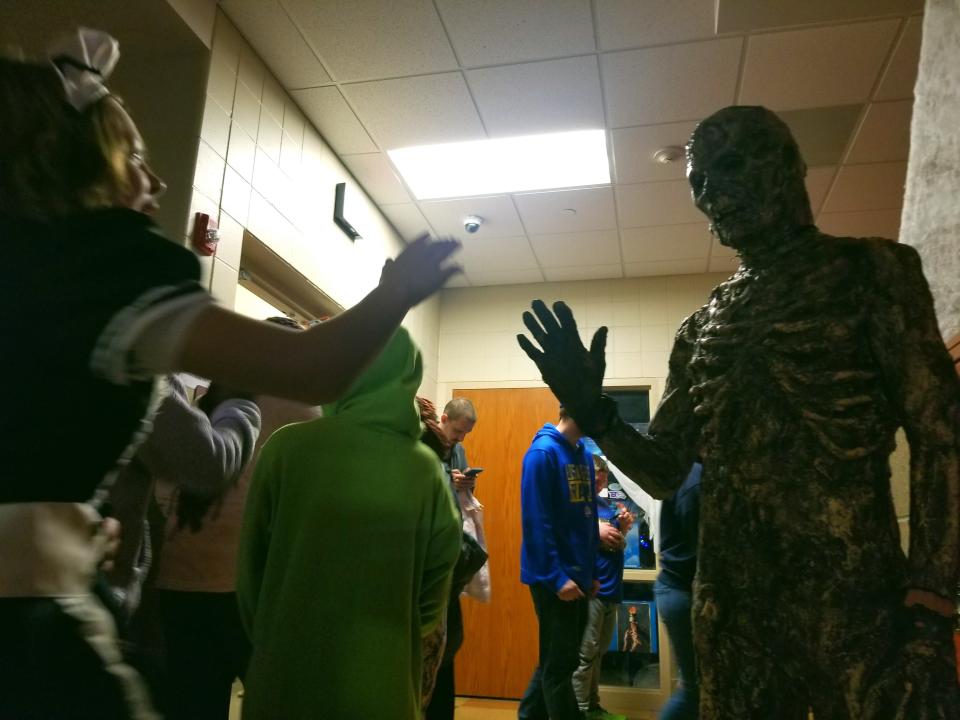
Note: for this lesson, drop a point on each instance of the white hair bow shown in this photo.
(84, 60)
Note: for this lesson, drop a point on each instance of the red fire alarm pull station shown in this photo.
(205, 234)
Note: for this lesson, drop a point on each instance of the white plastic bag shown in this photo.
(479, 585)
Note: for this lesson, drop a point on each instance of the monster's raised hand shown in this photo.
(574, 373)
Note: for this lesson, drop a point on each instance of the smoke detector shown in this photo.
(668, 154)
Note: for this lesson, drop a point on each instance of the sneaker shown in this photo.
(598, 713)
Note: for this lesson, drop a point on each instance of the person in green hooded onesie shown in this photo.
(348, 542)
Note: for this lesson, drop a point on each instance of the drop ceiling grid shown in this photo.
(473, 60)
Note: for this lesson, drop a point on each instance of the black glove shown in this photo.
(573, 373)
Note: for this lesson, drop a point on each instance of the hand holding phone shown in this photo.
(472, 472)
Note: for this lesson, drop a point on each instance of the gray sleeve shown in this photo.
(200, 454)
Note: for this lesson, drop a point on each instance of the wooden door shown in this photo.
(499, 652)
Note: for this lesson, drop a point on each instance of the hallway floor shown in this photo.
(467, 709)
(481, 709)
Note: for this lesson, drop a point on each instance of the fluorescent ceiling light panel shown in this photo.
(504, 165)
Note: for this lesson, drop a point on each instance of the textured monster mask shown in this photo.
(746, 175)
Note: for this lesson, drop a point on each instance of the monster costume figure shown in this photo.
(790, 382)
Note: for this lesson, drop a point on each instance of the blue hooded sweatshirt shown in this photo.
(559, 511)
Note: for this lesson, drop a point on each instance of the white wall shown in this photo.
(262, 166)
(478, 328)
(931, 221)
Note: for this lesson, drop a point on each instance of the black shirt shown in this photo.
(75, 295)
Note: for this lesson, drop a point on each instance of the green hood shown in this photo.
(383, 397)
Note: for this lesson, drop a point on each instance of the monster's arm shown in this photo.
(921, 384)
(659, 461)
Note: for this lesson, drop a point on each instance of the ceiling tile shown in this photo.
(872, 223)
(627, 23)
(745, 15)
(491, 32)
(723, 264)
(660, 203)
(884, 134)
(668, 267)
(835, 65)
(369, 39)
(422, 110)
(273, 35)
(495, 254)
(540, 97)
(330, 114)
(547, 213)
(376, 175)
(583, 272)
(664, 84)
(868, 187)
(633, 150)
(822, 133)
(668, 242)
(901, 73)
(818, 182)
(601, 247)
(500, 217)
(505, 277)
(407, 219)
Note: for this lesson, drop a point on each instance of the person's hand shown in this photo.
(420, 270)
(110, 529)
(463, 482)
(570, 591)
(610, 537)
(625, 521)
(574, 374)
(595, 588)
(924, 598)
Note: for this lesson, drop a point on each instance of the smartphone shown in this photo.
(472, 472)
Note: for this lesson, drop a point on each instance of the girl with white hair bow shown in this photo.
(121, 305)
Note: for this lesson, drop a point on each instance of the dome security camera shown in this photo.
(472, 223)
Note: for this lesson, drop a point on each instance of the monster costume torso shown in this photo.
(790, 383)
(794, 426)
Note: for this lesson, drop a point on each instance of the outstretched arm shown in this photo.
(315, 366)
(658, 461)
(920, 382)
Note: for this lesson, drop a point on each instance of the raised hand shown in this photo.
(574, 373)
(419, 271)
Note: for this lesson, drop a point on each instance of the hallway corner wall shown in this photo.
(261, 166)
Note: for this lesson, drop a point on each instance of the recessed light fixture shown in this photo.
(668, 154)
(502, 165)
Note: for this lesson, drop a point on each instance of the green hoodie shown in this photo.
(348, 542)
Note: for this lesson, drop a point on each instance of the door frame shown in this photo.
(624, 700)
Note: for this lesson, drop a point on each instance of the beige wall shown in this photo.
(263, 167)
(931, 216)
(478, 328)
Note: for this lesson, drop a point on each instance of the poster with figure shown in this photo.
(637, 627)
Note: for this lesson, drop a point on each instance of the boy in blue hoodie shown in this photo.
(557, 560)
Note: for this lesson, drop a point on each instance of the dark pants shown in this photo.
(550, 692)
(444, 693)
(207, 649)
(60, 660)
(674, 607)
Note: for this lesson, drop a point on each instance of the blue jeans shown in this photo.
(550, 692)
(674, 607)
